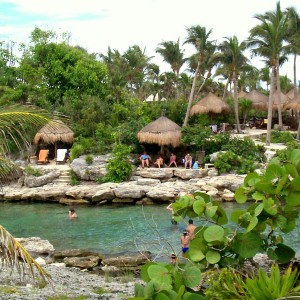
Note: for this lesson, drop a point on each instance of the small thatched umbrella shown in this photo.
(259, 100)
(210, 104)
(55, 131)
(291, 93)
(162, 131)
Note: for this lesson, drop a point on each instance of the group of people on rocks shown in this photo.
(187, 161)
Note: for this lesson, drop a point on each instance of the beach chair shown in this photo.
(43, 157)
(61, 156)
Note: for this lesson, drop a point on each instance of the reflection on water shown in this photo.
(105, 229)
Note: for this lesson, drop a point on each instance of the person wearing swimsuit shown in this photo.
(185, 242)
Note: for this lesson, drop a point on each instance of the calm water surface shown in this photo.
(107, 229)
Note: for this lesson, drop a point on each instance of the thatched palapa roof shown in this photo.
(53, 132)
(210, 104)
(162, 131)
(259, 100)
(284, 99)
(294, 103)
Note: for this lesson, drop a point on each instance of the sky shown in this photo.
(98, 24)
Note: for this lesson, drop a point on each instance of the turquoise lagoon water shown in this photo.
(105, 229)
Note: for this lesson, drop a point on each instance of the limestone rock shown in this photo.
(132, 260)
(73, 253)
(88, 262)
(148, 181)
(90, 171)
(188, 173)
(35, 181)
(104, 192)
(156, 173)
(165, 194)
(128, 190)
(73, 202)
(36, 246)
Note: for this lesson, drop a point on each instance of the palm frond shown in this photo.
(14, 256)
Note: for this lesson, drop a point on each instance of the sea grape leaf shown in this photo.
(251, 179)
(295, 184)
(281, 183)
(273, 171)
(236, 214)
(281, 221)
(210, 210)
(160, 275)
(258, 196)
(213, 257)
(144, 271)
(213, 233)
(201, 195)
(258, 209)
(220, 216)
(293, 198)
(193, 296)
(178, 281)
(294, 156)
(149, 290)
(197, 245)
(265, 186)
(191, 276)
(199, 206)
(161, 296)
(291, 169)
(270, 206)
(247, 244)
(241, 195)
(253, 222)
(284, 253)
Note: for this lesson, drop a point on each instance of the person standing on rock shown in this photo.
(72, 214)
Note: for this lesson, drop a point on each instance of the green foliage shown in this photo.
(101, 291)
(281, 136)
(89, 159)
(230, 284)
(32, 171)
(195, 135)
(75, 180)
(231, 162)
(119, 167)
(165, 281)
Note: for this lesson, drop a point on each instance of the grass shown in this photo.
(66, 297)
(7, 290)
(101, 291)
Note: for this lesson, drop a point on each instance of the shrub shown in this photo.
(227, 162)
(75, 180)
(119, 167)
(89, 159)
(281, 136)
(32, 171)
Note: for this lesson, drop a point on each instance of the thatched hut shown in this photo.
(284, 99)
(259, 100)
(162, 132)
(54, 132)
(210, 104)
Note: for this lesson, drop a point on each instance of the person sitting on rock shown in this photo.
(172, 160)
(159, 161)
(188, 161)
(145, 159)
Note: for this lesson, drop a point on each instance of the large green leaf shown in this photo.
(197, 245)
(295, 156)
(258, 196)
(191, 276)
(144, 271)
(213, 233)
(284, 253)
(253, 222)
(199, 206)
(220, 216)
(251, 179)
(291, 169)
(193, 296)
(295, 184)
(247, 245)
(213, 257)
(161, 296)
(259, 208)
(236, 214)
(281, 183)
(293, 198)
(210, 210)
(270, 206)
(265, 186)
(161, 276)
(273, 171)
(241, 195)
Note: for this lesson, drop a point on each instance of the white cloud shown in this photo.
(121, 24)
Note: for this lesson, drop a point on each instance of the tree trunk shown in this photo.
(270, 105)
(236, 104)
(191, 98)
(225, 89)
(279, 96)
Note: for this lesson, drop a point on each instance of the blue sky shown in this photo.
(98, 24)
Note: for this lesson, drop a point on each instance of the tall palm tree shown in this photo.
(198, 36)
(293, 23)
(232, 56)
(265, 76)
(172, 54)
(266, 40)
(15, 123)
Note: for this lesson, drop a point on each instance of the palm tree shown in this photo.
(199, 38)
(15, 123)
(294, 45)
(172, 54)
(232, 57)
(266, 40)
(265, 76)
